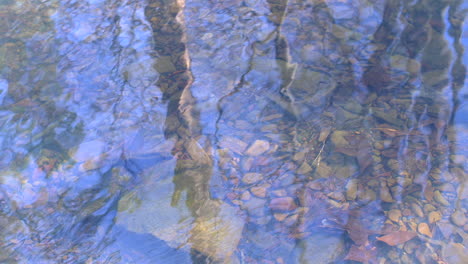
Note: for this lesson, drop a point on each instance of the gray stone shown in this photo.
(254, 206)
(310, 90)
(458, 218)
(283, 204)
(250, 178)
(258, 148)
(149, 210)
(88, 150)
(455, 253)
(342, 11)
(321, 248)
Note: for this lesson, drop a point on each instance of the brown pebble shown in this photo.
(337, 196)
(385, 194)
(402, 226)
(280, 192)
(280, 217)
(234, 181)
(253, 177)
(406, 212)
(434, 216)
(394, 215)
(283, 204)
(247, 163)
(440, 199)
(299, 156)
(258, 147)
(237, 202)
(424, 229)
(234, 144)
(272, 116)
(305, 168)
(429, 192)
(324, 134)
(446, 187)
(417, 209)
(458, 218)
(351, 189)
(232, 195)
(259, 191)
(245, 196)
(291, 220)
(429, 208)
(367, 195)
(413, 226)
(314, 185)
(91, 164)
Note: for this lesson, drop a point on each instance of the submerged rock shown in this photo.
(215, 234)
(304, 168)
(217, 237)
(385, 194)
(234, 144)
(260, 191)
(306, 100)
(424, 229)
(351, 189)
(417, 210)
(283, 204)
(87, 151)
(458, 218)
(434, 216)
(338, 138)
(342, 11)
(394, 215)
(254, 206)
(250, 178)
(321, 249)
(440, 199)
(146, 211)
(258, 148)
(455, 253)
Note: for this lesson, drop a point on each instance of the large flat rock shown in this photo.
(148, 210)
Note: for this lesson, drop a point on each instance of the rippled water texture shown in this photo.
(257, 131)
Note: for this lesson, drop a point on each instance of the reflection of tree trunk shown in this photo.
(457, 81)
(376, 77)
(193, 168)
(422, 95)
(173, 66)
(215, 232)
(437, 59)
(283, 57)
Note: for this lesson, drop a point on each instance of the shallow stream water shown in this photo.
(257, 131)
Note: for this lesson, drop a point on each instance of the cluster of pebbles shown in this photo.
(276, 185)
(296, 177)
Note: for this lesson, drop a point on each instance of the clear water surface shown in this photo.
(270, 131)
